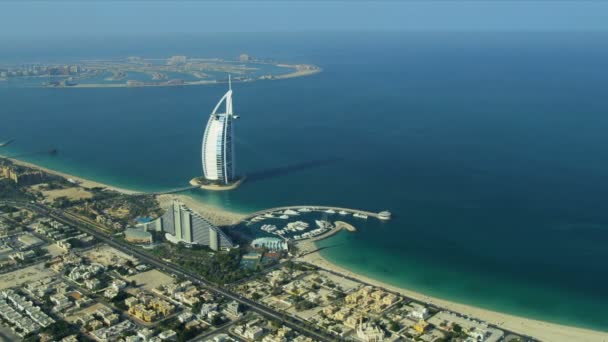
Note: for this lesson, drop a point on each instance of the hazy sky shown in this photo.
(94, 17)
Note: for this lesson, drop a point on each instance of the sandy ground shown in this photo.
(108, 256)
(75, 194)
(54, 250)
(216, 215)
(345, 284)
(24, 275)
(88, 310)
(300, 70)
(541, 330)
(151, 279)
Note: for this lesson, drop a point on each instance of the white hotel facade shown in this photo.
(218, 145)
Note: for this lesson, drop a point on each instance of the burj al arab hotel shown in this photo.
(218, 146)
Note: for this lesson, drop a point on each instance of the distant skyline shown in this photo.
(20, 19)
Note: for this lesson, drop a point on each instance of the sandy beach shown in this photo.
(85, 183)
(543, 331)
(215, 215)
(299, 71)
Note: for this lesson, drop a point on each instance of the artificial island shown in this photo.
(150, 72)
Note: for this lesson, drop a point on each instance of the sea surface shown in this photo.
(490, 150)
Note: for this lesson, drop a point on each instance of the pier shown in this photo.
(318, 208)
(339, 225)
(308, 246)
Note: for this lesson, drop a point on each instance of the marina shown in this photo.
(286, 212)
(300, 226)
(300, 230)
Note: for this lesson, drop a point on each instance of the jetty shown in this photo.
(308, 246)
(338, 226)
(345, 225)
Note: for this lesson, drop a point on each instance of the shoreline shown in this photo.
(216, 215)
(542, 330)
(82, 182)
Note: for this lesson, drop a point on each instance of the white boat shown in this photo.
(323, 224)
(304, 210)
(297, 226)
(330, 211)
(317, 231)
(342, 212)
(359, 215)
(269, 228)
(284, 217)
(290, 212)
(268, 215)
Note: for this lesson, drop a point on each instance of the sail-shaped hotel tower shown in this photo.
(218, 145)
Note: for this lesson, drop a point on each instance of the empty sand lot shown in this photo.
(108, 256)
(152, 279)
(24, 275)
(75, 194)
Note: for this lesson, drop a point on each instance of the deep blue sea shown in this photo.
(490, 149)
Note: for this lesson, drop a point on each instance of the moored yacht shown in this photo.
(323, 224)
(269, 228)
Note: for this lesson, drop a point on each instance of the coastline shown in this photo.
(542, 330)
(85, 183)
(216, 215)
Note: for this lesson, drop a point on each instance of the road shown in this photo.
(91, 229)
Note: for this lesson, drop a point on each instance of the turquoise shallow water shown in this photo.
(490, 149)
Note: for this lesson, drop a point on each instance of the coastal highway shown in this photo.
(91, 229)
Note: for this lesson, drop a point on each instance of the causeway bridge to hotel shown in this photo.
(318, 208)
(164, 192)
(173, 191)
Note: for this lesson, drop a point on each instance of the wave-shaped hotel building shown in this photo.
(182, 224)
(218, 147)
